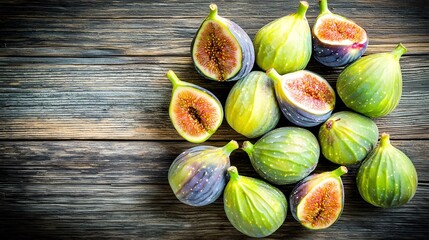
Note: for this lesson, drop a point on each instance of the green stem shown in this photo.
(173, 78)
(340, 171)
(213, 11)
(274, 75)
(399, 50)
(323, 5)
(302, 9)
(248, 147)
(385, 140)
(229, 147)
(233, 173)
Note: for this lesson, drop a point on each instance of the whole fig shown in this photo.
(198, 175)
(253, 206)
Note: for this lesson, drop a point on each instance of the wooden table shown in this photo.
(86, 141)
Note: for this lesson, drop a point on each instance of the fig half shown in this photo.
(195, 112)
(222, 50)
(305, 98)
(198, 175)
(318, 200)
(337, 41)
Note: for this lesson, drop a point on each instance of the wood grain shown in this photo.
(50, 188)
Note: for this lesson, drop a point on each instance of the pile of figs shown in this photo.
(369, 86)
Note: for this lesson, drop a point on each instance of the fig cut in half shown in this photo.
(222, 50)
(195, 112)
(317, 201)
(305, 98)
(337, 41)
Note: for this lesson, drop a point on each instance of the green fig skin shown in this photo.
(387, 177)
(284, 155)
(285, 43)
(251, 107)
(373, 84)
(253, 206)
(346, 137)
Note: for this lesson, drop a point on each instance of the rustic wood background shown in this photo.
(85, 138)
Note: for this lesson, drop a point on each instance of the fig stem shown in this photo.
(323, 5)
(340, 171)
(229, 147)
(173, 78)
(399, 50)
(248, 147)
(233, 173)
(302, 9)
(213, 11)
(384, 140)
(274, 75)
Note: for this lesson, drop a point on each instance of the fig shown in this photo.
(222, 50)
(251, 107)
(253, 206)
(284, 155)
(346, 137)
(373, 84)
(387, 177)
(195, 112)
(305, 98)
(285, 43)
(337, 41)
(198, 175)
(317, 201)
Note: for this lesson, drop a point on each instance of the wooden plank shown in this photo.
(120, 189)
(124, 98)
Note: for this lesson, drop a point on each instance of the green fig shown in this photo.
(285, 43)
(373, 84)
(284, 155)
(346, 137)
(387, 177)
(253, 206)
(251, 107)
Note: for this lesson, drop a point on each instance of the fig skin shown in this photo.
(299, 113)
(251, 107)
(336, 54)
(284, 155)
(194, 129)
(238, 36)
(253, 206)
(198, 175)
(285, 43)
(318, 212)
(346, 137)
(387, 177)
(372, 85)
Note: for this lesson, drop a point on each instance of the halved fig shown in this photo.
(222, 50)
(318, 200)
(195, 112)
(337, 41)
(305, 98)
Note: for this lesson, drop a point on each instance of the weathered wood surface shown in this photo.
(77, 76)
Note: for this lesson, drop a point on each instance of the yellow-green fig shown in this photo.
(285, 43)
(251, 107)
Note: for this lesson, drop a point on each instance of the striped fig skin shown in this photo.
(346, 137)
(372, 85)
(238, 40)
(285, 43)
(198, 175)
(318, 200)
(253, 206)
(284, 155)
(333, 52)
(387, 177)
(251, 107)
